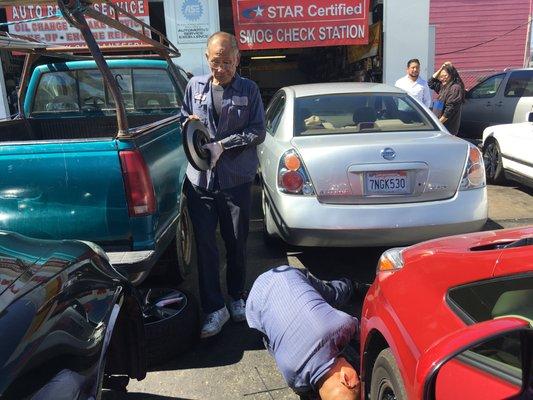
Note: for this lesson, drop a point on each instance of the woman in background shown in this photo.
(450, 88)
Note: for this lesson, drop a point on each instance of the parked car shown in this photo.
(502, 98)
(451, 318)
(66, 316)
(362, 164)
(507, 152)
(68, 319)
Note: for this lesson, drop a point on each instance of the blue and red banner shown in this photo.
(278, 24)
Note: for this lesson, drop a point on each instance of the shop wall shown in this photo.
(405, 36)
(481, 36)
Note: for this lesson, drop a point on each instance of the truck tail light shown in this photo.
(139, 189)
(292, 175)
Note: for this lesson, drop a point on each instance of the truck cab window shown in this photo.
(124, 81)
(57, 92)
(92, 93)
(154, 90)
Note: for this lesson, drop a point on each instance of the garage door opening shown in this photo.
(274, 68)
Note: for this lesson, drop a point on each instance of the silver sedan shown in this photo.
(363, 164)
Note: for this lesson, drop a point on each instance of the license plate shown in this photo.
(390, 182)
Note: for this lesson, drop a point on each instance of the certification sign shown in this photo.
(193, 21)
(286, 23)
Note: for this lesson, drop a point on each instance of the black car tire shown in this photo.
(386, 381)
(184, 241)
(179, 258)
(492, 158)
(170, 329)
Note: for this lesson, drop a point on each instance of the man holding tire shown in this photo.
(309, 339)
(231, 108)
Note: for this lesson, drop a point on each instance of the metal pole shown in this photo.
(109, 79)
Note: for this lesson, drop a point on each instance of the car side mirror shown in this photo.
(489, 360)
(529, 116)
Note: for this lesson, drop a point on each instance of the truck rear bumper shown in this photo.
(136, 265)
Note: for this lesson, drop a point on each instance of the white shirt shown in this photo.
(418, 89)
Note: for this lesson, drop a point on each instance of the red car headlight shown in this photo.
(391, 260)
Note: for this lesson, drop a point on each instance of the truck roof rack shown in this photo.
(145, 34)
(12, 42)
(75, 12)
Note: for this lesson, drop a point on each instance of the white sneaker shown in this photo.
(237, 309)
(214, 322)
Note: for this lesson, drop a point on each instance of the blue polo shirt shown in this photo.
(305, 333)
(240, 127)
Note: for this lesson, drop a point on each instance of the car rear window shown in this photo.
(485, 300)
(359, 113)
(144, 90)
(519, 84)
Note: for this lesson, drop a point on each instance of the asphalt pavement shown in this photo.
(235, 365)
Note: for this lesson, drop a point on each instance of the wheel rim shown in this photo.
(263, 201)
(184, 239)
(386, 391)
(491, 160)
(160, 304)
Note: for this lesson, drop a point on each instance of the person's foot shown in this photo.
(214, 322)
(237, 309)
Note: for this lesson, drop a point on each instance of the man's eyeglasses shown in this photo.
(220, 64)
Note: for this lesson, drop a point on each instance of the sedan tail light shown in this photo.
(474, 172)
(292, 175)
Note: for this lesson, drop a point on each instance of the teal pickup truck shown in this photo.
(69, 171)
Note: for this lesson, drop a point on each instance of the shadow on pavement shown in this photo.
(226, 348)
(112, 395)
(491, 225)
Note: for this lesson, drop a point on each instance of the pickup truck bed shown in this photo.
(78, 127)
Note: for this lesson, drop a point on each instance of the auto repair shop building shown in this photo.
(282, 42)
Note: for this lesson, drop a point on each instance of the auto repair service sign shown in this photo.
(275, 24)
(44, 23)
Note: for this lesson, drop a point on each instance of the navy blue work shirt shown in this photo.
(240, 128)
(305, 333)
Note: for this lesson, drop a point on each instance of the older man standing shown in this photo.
(231, 108)
(413, 84)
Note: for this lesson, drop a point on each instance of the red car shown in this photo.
(451, 318)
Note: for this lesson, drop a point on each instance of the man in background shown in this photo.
(413, 84)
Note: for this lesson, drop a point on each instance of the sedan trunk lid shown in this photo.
(384, 168)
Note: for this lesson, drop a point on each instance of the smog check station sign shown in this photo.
(287, 23)
(42, 22)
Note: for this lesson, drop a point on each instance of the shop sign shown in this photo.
(193, 21)
(278, 24)
(42, 22)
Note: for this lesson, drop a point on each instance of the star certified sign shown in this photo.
(253, 12)
(274, 24)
